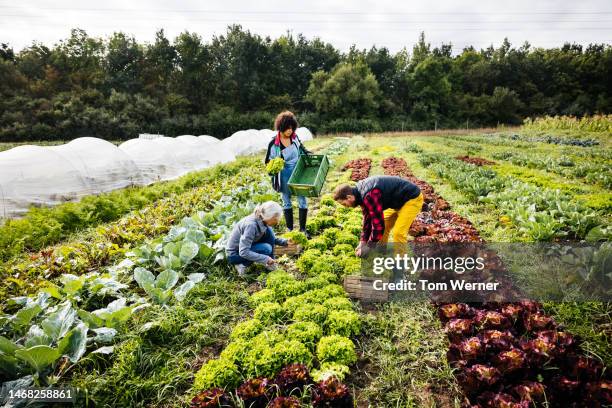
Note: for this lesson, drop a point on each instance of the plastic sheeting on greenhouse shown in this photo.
(304, 134)
(103, 166)
(149, 136)
(246, 142)
(35, 175)
(251, 141)
(209, 154)
(185, 155)
(209, 139)
(43, 176)
(153, 160)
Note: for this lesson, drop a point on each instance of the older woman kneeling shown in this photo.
(252, 239)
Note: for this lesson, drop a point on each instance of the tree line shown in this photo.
(115, 88)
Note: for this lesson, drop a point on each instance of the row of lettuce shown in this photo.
(80, 305)
(302, 323)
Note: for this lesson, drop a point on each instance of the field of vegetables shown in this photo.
(139, 309)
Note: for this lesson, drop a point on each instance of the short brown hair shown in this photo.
(343, 191)
(285, 120)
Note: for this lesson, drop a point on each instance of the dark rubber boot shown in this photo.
(289, 218)
(303, 214)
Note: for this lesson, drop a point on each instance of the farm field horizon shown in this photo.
(291, 205)
(136, 309)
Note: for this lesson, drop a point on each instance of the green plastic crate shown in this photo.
(309, 175)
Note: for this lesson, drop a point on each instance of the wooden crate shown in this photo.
(291, 249)
(362, 288)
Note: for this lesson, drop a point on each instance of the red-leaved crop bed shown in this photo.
(478, 161)
(281, 391)
(506, 354)
(394, 166)
(360, 168)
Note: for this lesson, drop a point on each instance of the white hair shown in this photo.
(268, 210)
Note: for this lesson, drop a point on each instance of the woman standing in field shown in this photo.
(287, 145)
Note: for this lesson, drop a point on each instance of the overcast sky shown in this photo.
(390, 23)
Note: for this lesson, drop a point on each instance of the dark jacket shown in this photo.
(396, 191)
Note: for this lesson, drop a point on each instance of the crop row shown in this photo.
(292, 385)
(43, 226)
(476, 161)
(360, 168)
(541, 214)
(46, 333)
(306, 321)
(591, 172)
(398, 167)
(338, 146)
(595, 123)
(518, 141)
(513, 354)
(109, 242)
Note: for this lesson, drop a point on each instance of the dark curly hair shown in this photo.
(285, 120)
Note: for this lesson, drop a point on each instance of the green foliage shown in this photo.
(275, 165)
(340, 249)
(306, 332)
(336, 349)
(262, 296)
(116, 87)
(320, 281)
(310, 313)
(283, 285)
(338, 303)
(327, 201)
(266, 359)
(104, 245)
(596, 123)
(332, 290)
(269, 313)
(343, 322)
(413, 148)
(247, 329)
(319, 243)
(217, 373)
(327, 370)
(539, 213)
(357, 85)
(307, 260)
(318, 223)
(296, 236)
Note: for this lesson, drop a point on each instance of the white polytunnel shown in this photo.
(245, 142)
(103, 166)
(37, 176)
(220, 154)
(44, 176)
(267, 134)
(153, 160)
(233, 142)
(304, 134)
(185, 156)
(202, 149)
(212, 153)
(209, 139)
